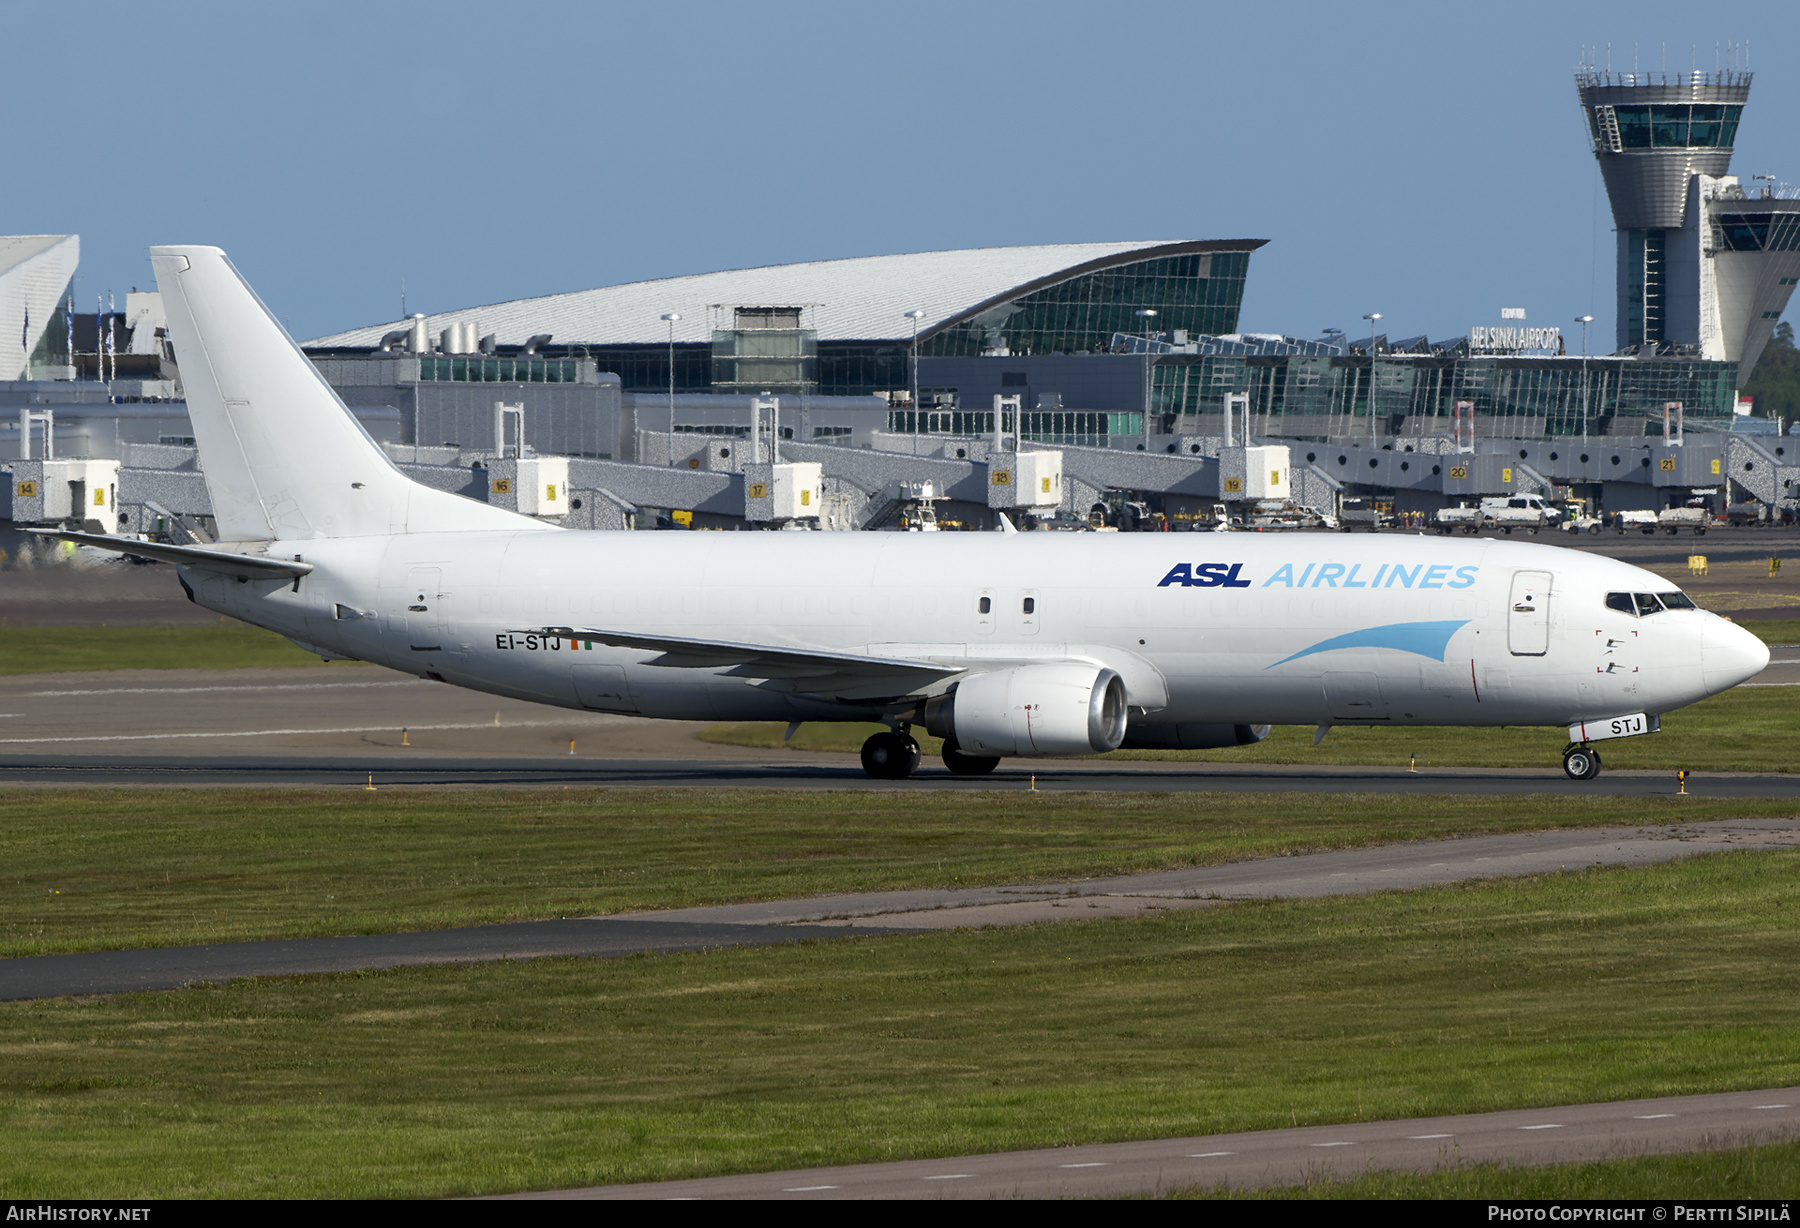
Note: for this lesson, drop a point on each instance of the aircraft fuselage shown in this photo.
(1225, 629)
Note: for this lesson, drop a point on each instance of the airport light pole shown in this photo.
(1148, 316)
(670, 317)
(915, 316)
(1372, 318)
(1584, 321)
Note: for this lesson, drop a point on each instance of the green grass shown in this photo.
(1774, 630)
(1767, 1172)
(1586, 986)
(103, 869)
(223, 645)
(1738, 731)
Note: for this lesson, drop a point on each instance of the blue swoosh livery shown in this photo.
(1424, 639)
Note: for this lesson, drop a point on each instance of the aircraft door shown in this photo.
(1528, 614)
(423, 599)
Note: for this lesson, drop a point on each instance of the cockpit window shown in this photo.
(1645, 604)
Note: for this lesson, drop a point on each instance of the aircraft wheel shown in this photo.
(1581, 763)
(968, 765)
(890, 756)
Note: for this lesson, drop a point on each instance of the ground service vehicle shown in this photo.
(1509, 512)
(1673, 519)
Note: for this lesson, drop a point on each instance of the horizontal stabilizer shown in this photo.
(249, 566)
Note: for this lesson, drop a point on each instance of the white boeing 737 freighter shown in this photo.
(1030, 644)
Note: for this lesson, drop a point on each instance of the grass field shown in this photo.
(108, 869)
(1734, 732)
(227, 644)
(1774, 630)
(1590, 985)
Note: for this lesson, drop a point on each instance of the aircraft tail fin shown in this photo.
(283, 457)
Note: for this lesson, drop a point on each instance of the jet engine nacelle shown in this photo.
(1193, 737)
(1065, 708)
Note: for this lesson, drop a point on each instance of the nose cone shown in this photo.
(1729, 655)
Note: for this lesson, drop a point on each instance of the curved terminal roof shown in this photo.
(858, 299)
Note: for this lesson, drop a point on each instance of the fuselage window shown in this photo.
(987, 605)
(1031, 605)
(1647, 603)
(1621, 602)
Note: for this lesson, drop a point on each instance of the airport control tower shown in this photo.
(1653, 132)
(1663, 141)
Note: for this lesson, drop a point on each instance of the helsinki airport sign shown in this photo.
(1508, 339)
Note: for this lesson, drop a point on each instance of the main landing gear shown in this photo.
(893, 754)
(1581, 762)
(890, 755)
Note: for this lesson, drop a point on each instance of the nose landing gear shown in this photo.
(890, 755)
(1581, 762)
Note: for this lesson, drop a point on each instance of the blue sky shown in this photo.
(1423, 160)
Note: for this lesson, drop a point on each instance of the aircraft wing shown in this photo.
(812, 670)
(249, 566)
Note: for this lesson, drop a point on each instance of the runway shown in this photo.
(349, 726)
(1563, 1134)
(789, 770)
(764, 923)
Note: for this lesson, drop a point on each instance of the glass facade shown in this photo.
(1327, 398)
(778, 360)
(52, 347)
(645, 368)
(1756, 232)
(1669, 125)
(857, 368)
(1200, 293)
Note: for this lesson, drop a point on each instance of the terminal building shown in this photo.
(930, 374)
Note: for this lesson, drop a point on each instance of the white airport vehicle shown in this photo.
(1004, 644)
(1462, 516)
(1637, 519)
(1673, 519)
(1509, 512)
